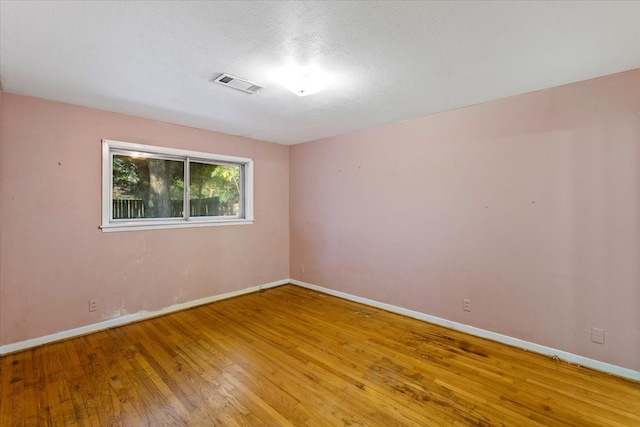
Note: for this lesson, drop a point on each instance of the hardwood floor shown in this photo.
(289, 356)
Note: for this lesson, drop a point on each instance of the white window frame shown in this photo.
(120, 147)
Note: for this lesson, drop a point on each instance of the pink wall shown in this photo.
(529, 206)
(1, 223)
(54, 257)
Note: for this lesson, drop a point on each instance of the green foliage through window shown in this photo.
(214, 189)
(150, 187)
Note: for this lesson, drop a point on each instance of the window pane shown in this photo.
(145, 187)
(214, 189)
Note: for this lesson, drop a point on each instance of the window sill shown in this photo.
(162, 225)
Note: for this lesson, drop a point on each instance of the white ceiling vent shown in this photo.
(236, 83)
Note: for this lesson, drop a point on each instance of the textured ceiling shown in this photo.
(391, 60)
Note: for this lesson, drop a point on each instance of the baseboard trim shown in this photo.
(129, 318)
(505, 339)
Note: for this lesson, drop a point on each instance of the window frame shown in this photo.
(111, 148)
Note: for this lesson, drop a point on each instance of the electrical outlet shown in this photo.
(302, 269)
(466, 304)
(597, 335)
(93, 305)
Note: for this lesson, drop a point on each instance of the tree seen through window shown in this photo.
(147, 187)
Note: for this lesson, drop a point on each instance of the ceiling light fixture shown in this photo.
(303, 81)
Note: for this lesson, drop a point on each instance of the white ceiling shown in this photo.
(392, 60)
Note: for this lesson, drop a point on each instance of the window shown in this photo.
(146, 187)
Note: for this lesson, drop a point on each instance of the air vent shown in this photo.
(236, 83)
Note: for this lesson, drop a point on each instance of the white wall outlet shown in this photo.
(93, 305)
(466, 304)
(597, 335)
(302, 269)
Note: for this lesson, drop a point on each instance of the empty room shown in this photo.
(319, 213)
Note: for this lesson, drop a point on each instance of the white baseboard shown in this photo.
(505, 339)
(129, 318)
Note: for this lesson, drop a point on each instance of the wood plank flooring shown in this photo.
(289, 356)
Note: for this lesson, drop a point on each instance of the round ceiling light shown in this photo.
(303, 81)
